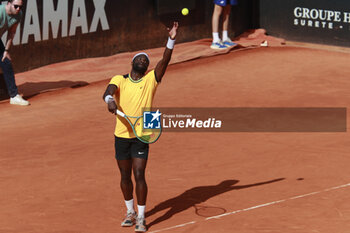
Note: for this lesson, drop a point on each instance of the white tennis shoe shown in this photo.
(18, 100)
(129, 219)
(140, 225)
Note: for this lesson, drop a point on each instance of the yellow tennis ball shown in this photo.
(185, 11)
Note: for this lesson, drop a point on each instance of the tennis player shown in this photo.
(133, 92)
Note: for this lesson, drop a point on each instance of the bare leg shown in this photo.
(226, 17)
(139, 167)
(126, 182)
(215, 22)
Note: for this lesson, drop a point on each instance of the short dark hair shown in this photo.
(9, 1)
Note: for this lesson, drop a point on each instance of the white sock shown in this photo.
(130, 205)
(141, 211)
(216, 37)
(224, 35)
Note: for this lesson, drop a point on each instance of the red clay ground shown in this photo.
(58, 173)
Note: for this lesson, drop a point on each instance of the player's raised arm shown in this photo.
(163, 63)
(108, 98)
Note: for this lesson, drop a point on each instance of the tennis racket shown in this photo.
(137, 124)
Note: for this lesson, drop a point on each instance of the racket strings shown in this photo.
(146, 135)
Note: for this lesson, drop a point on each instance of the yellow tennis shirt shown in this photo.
(132, 97)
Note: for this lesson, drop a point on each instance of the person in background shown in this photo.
(10, 16)
(222, 7)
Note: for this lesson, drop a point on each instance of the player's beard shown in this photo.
(139, 68)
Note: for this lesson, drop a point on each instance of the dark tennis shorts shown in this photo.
(225, 2)
(127, 148)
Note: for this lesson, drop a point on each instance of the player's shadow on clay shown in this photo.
(31, 89)
(195, 196)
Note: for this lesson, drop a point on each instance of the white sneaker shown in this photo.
(140, 224)
(18, 100)
(129, 220)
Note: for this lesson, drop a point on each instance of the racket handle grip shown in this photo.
(120, 113)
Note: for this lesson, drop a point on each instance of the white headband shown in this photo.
(140, 54)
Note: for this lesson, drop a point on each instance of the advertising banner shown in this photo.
(322, 21)
(59, 30)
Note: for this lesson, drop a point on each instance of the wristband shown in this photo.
(107, 98)
(170, 44)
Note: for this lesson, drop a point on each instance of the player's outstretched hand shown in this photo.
(173, 30)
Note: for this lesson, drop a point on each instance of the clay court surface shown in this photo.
(58, 173)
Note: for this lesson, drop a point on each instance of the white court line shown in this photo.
(173, 227)
(255, 207)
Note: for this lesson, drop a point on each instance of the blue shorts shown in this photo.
(225, 2)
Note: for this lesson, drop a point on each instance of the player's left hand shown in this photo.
(6, 55)
(173, 30)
